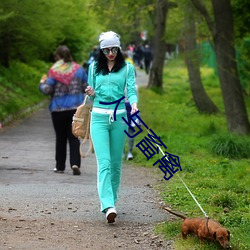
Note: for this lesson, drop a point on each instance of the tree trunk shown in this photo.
(235, 109)
(201, 99)
(159, 47)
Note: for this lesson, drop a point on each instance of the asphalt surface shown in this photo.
(31, 190)
(26, 164)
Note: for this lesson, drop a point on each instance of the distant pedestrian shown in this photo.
(138, 56)
(108, 78)
(93, 55)
(128, 109)
(131, 131)
(65, 84)
(147, 54)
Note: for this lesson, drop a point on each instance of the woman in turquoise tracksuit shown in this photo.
(108, 77)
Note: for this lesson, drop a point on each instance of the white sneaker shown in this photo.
(58, 171)
(130, 156)
(111, 214)
(76, 170)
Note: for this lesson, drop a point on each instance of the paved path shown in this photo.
(30, 192)
(26, 163)
(141, 78)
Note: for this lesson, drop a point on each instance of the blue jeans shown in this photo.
(108, 139)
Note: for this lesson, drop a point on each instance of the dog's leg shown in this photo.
(201, 242)
(184, 235)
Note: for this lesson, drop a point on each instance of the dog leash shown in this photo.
(205, 214)
(193, 197)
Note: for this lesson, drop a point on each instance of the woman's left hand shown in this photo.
(134, 108)
(90, 91)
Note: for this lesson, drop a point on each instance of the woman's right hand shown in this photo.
(90, 91)
(43, 79)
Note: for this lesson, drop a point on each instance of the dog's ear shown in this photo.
(228, 237)
(214, 235)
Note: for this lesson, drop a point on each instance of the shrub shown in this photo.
(231, 146)
(223, 200)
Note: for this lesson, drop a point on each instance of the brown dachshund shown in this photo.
(204, 228)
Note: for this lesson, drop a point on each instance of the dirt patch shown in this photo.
(50, 234)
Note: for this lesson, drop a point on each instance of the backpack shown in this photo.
(81, 126)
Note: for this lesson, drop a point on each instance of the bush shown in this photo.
(223, 200)
(231, 146)
(19, 88)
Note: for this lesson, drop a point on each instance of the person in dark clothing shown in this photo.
(93, 55)
(147, 54)
(138, 56)
(65, 83)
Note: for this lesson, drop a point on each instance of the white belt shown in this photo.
(109, 112)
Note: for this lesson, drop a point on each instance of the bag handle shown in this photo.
(85, 99)
(85, 139)
(83, 155)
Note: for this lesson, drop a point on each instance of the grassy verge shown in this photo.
(19, 88)
(215, 164)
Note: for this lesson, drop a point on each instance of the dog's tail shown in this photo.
(175, 213)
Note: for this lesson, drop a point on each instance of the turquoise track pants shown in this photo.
(108, 139)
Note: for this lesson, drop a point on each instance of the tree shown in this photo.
(242, 33)
(159, 46)
(223, 38)
(201, 99)
(241, 17)
(28, 33)
(127, 17)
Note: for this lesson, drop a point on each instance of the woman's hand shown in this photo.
(90, 91)
(133, 108)
(43, 79)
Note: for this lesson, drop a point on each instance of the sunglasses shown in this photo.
(106, 51)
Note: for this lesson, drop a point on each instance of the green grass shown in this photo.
(19, 87)
(231, 146)
(215, 164)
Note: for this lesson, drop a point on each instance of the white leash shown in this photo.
(185, 185)
(193, 197)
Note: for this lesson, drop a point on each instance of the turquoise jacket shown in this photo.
(111, 87)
